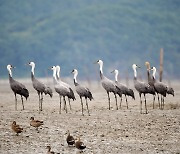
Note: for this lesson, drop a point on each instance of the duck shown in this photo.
(70, 139)
(49, 150)
(16, 128)
(35, 123)
(79, 144)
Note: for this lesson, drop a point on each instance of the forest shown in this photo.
(76, 33)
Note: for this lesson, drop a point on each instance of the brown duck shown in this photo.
(16, 128)
(80, 145)
(70, 139)
(35, 123)
(49, 150)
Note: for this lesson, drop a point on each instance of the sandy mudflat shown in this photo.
(114, 131)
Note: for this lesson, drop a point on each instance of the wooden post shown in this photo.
(161, 64)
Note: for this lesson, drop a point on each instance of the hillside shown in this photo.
(76, 33)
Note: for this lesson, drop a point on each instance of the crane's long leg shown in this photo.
(126, 101)
(15, 101)
(145, 103)
(153, 100)
(120, 102)
(22, 102)
(65, 103)
(69, 103)
(109, 100)
(82, 106)
(64, 107)
(116, 101)
(59, 104)
(140, 103)
(41, 100)
(159, 102)
(163, 102)
(87, 107)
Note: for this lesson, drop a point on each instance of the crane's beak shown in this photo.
(112, 71)
(72, 71)
(13, 66)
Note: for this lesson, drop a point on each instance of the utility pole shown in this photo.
(161, 64)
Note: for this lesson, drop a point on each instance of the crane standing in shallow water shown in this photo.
(108, 84)
(17, 87)
(39, 86)
(82, 91)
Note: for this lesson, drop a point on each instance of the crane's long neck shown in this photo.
(10, 72)
(54, 77)
(116, 76)
(75, 79)
(135, 73)
(154, 73)
(32, 69)
(58, 75)
(101, 70)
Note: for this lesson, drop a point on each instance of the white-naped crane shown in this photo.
(124, 89)
(108, 84)
(82, 91)
(141, 87)
(160, 88)
(71, 94)
(17, 87)
(60, 88)
(39, 86)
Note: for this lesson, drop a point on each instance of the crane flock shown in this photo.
(64, 90)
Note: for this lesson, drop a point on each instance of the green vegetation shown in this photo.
(75, 33)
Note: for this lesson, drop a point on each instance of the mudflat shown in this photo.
(103, 132)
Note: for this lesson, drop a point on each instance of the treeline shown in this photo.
(76, 33)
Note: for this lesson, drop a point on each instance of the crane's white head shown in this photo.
(53, 68)
(31, 64)
(100, 62)
(115, 71)
(153, 68)
(74, 71)
(134, 66)
(9, 67)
